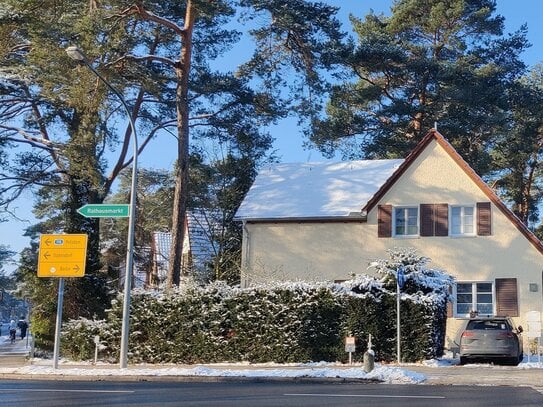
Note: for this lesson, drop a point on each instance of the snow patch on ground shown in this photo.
(386, 374)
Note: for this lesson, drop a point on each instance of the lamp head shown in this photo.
(75, 53)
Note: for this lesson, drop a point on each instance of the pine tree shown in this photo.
(187, 37)
(54, 119)
(443, 62)
(518, 152)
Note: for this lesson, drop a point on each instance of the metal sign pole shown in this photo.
(398, 356)
(400, 282)
(59, 322)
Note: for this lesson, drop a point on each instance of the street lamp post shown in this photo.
(76, 54)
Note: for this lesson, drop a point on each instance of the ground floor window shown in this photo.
(475, 297)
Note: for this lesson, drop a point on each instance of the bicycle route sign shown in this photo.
(62, 255)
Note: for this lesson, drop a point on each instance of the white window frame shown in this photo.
(404, 208)
(462, 223)
(474, 302)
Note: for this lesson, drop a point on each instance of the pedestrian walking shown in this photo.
(23, 326)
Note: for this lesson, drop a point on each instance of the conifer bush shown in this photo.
(283, 322)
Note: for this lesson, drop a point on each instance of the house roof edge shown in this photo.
(433, 134)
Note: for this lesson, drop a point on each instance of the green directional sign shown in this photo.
(105, 210)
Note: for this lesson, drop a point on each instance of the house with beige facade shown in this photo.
(328, 221)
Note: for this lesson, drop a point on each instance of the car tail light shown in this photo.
(505, 335)
(467, 334)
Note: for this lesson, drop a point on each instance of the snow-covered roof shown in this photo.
(314, 190)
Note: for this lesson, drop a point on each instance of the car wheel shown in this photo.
(463, 360)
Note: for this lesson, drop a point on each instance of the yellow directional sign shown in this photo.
(62, 255)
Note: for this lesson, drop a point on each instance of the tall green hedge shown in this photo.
(275, 323)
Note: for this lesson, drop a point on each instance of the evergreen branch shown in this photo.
(139, 10)
(27, 138)
(121, 164)
(33, 143)
(145, 58)
(214, 114)
(384, 88)
(43, 129)
(162, 126)
(22, 183)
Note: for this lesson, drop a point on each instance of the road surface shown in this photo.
(244, 394)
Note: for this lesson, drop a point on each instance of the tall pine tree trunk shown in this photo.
(182, 169)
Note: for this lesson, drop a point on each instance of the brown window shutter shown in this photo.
(441, 219)
(506, 297)
(434, 219)
(384, 221)
(484, 219)
(426, 219)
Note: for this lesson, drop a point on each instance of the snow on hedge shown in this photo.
(280, 322)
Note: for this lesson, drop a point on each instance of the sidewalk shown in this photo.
(14, 354)
(14, 364)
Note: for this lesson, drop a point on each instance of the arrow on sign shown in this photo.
(105, 210)
(62, 255)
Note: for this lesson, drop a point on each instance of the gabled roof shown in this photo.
(337, 191)
(435, 135)
(318, 190)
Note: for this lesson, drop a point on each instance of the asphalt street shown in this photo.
(244, 394)
(477, 385)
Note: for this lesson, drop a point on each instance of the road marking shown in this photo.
(65, 391)
(362, 395)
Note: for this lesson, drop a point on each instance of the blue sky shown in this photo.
(516, 13)
(289, 141)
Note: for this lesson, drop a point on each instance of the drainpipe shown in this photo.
(245, 252)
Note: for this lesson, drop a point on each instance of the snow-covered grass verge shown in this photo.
(382, 373)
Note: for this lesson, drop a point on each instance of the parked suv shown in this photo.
(491, 338)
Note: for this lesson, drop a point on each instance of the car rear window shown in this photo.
(487, 325)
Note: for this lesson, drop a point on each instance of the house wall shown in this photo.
(335, 251)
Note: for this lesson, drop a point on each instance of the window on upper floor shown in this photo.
(462, 220)
(406, 221)
(434, 219)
